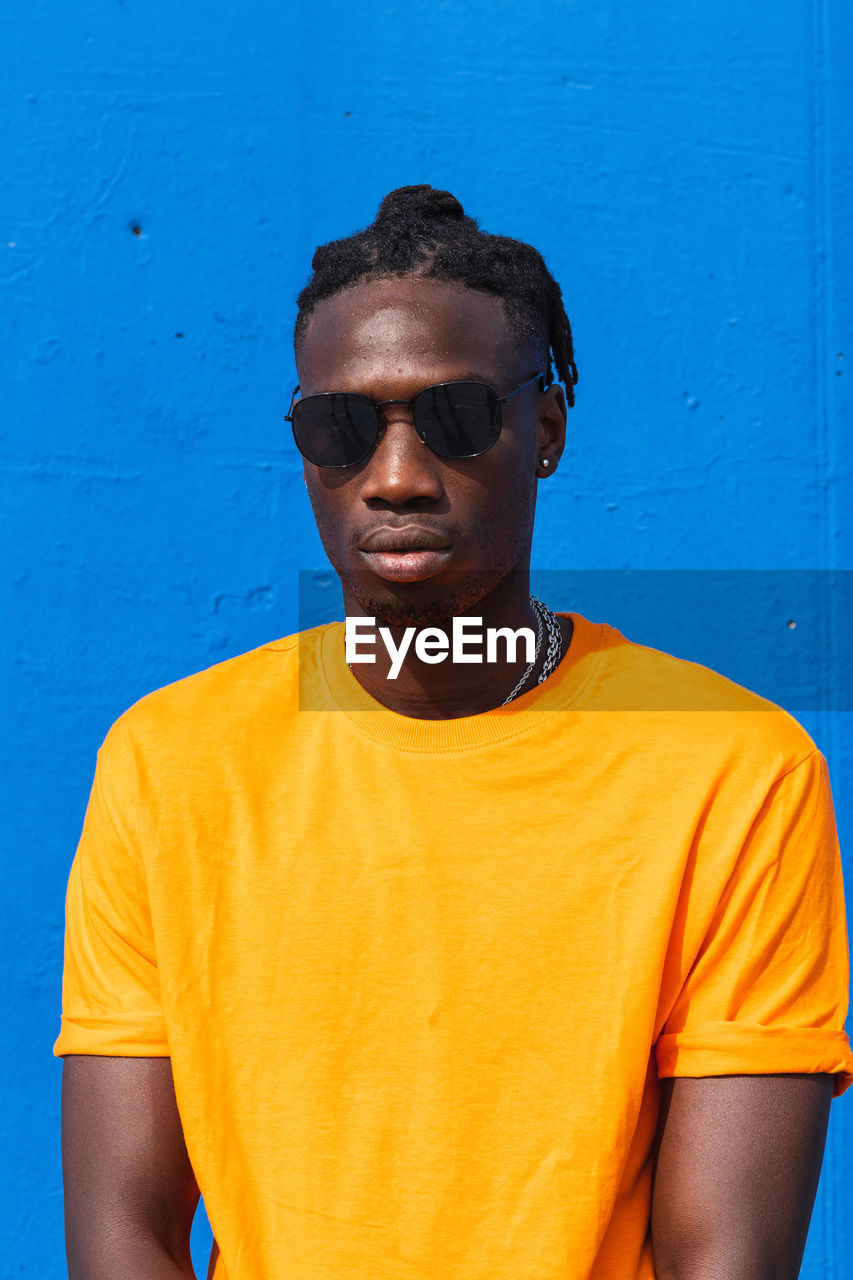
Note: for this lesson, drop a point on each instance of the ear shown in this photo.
(551, 429)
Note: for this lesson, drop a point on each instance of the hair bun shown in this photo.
(420, 202)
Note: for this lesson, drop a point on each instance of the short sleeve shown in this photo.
(767, 992)
(111, 990)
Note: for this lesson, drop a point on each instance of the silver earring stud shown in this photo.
(545, 462)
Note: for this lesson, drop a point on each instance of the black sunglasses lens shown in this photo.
(335, 430)
(458, 420)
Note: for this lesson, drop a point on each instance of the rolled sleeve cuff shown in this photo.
(729, 1049)
(140, 1035)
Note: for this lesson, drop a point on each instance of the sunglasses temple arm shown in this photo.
(528, 383)
(288, 417)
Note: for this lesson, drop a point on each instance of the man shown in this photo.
(433, 968)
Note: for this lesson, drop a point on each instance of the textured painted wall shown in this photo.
(167, 171)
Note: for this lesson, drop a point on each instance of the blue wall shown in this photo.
(168, 169)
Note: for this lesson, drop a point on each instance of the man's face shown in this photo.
(415, 537)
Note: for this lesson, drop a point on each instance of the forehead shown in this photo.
(403, 334)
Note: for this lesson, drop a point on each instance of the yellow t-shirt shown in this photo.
(418, 979)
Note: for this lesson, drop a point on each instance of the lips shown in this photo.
(409, 537)
(409, 553)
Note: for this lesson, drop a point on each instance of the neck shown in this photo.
(450, 689)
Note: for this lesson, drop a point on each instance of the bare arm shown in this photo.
(130, 1192)
(736, 1175)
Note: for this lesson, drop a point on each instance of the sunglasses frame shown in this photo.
(379, 405)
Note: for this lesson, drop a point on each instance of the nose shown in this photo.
(401, 471)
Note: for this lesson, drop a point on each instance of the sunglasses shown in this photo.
(454, 419)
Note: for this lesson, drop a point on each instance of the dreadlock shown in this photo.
(420, 231)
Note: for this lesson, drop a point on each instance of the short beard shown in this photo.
(426, 610)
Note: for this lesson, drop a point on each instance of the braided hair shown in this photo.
(421, 231)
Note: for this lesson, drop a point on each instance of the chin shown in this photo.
(422, 604)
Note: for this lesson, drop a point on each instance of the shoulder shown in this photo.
(686, 703)
(220, 701)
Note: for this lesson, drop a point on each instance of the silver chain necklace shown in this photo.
(555, 646)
